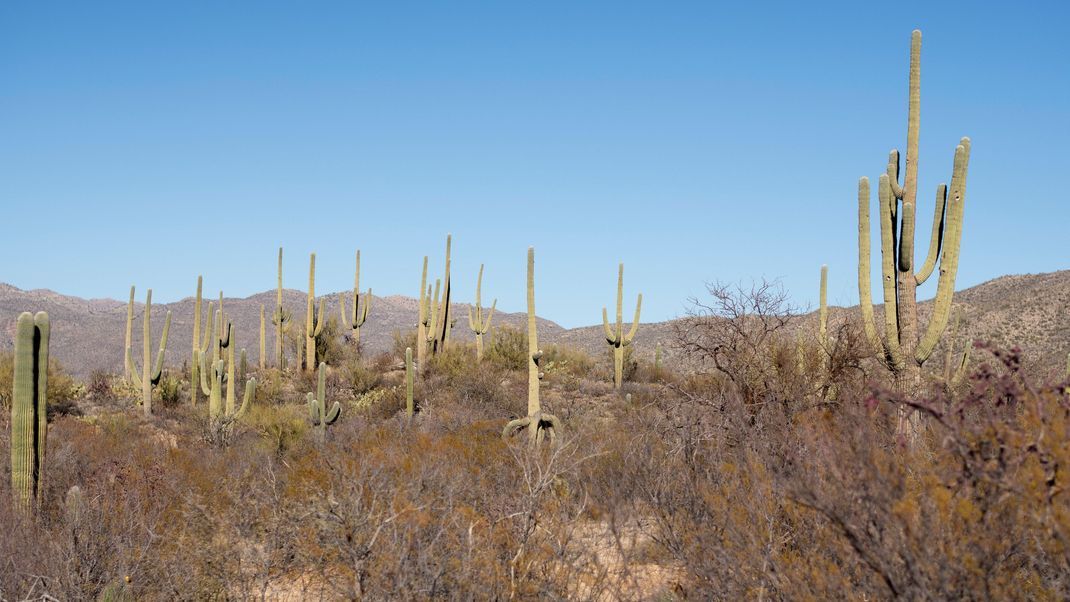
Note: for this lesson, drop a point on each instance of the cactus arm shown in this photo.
(215, 399)
(472, 323)
(319, 320)
(949, 262)
(203, 366)
(29, 426)
(490, 316)
(935, 238)
(367, 307)
(313, 408)
(635, 323)
(620, 302)
(893, 173)
(434, 309)
(888, 272)
(232, 384)
(906, 239)
(611, 338)
(333, 414)
(135, 376)
(157, 370)
(250, 392)
(209, 330)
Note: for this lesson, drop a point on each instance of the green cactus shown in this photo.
(538, 424)
(199, 343)
(261, 359)
(313, 323)
(955, 370)
(476, 320)
(446, 323)
(219, 373)
(73, 506)
(150, 374)
(431, 316)
(280, 318)
(317, 405)
(222, 335)
(410, 405)
(422, 319)
(29, 402)
(903, 349)
(615, 336)
(129, 334)
(359, 313)
(243, 365)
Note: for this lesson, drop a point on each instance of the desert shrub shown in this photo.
(358, 377)
(98, 386)
(280, 427)
(452, 362)
(403, 340)
(565, 361)
(508, 349)
(170, 389)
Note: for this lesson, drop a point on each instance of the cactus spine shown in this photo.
(317, 405)
(359, 313)
(904, 350)
(129, 334)
(476, 320)
(410, 405)
(29, 424)
(313, 323)
(280, 318)
(538, 424)
(150, 374)
(615, 336)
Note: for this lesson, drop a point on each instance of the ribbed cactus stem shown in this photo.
(410, 405)
(313, 322)
(445, 322)
(129, 335)
(280, 317)
(538, 424)
(615, 336)
(479, 323)
(29, 403)
(150, 373)
(358, 315)
(317, 405)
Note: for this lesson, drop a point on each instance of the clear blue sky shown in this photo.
(148, 142)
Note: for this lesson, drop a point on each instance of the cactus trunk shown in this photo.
(29, 424)
(615, 335)
(479, 323)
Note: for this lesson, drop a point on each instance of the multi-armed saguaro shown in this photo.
(200, 345)
(476, 320)
(313, 323)
(536, 422)
(29, 426)
(150, 374)
(359, 313)
(615, 336)
(219, 374)
(280, 318)
(903, 348)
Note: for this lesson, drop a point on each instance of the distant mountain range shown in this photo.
(1032, 311)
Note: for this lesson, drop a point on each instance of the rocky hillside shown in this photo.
(1032, 311)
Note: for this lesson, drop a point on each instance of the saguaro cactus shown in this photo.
(129, 334)
(313, 323)
(359, 313)
(903, 349)
(410, 405)
(29, 424)
(280, 318)
(446, 323)
(431, 316)
(150, 374)
(615, 336)
(537, 423)
(199, 344)
(476, 320)
(317, 405)
(422, 319)
(214, 390)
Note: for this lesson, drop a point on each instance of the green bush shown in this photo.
(508, 349)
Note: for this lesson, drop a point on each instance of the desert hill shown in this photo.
(1031, 311)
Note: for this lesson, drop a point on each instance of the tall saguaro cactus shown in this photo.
(446, 323)
(538, 424)
(280, 318)
(129, 334)
(903, 348)
(476, 320)
(29, 424)
(313, 323)
(615, 336)
(199, 344)
(214, 390)
(359, 313)
(150, 374)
